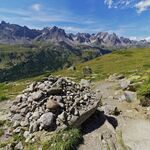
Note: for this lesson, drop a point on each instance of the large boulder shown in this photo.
(84, 115)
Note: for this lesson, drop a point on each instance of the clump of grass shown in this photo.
(18, 137)
(2, 122)
(3, 144)
(63, 140)
(144, 90)
(3, 98)
(144, 93)
(1, 132)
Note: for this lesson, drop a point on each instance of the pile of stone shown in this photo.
(53, 103)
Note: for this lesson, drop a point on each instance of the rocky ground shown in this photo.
(120, 123)
(125, 125)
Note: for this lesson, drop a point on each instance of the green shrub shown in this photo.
(144, 90)
(63, 140)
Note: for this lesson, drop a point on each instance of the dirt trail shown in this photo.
(132, 130)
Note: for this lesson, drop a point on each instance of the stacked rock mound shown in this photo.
(53, 103)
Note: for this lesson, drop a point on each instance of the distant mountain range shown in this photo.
(15, 34)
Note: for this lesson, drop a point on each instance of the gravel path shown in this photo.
(132, 124)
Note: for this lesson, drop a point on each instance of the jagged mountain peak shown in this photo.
(15, 34)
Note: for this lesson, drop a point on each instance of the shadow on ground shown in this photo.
(96, 121)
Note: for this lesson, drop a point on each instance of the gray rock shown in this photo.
(41, 86)
(122, 98)
(62, 116)
(51, 104)
(28, 115)
(30, 88)
(14, 109)
(84, 115)
(87, 71)
(18, 99)
(24, 123)
(85, 83)
(23, 104)
(76, 112)
(124, 83)
(16, 117)
(55, 91)
(33, 127)
(24, 110)
(19, 146)
(36, 115)
(16, 124)
(130, 96)
(47, 119)
(28, 136)
(17, 130)
(36, 96)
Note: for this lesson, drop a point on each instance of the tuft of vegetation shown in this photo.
(63, 140)
(18, 137)
(144, 90)
(144, 93)
(2, 123)
(3, 98)
(1, 132)
(3, 144)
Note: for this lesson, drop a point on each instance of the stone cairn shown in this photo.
(53, 103)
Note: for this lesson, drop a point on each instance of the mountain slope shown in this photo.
(124, 61)
(23, 61)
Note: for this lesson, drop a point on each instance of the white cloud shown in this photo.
(108, 3)
(139, 38)
(147, 38)
(142, 5)
(36, 7)
(73, 29)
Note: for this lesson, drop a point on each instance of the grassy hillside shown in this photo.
(20, 61)
(125, 61)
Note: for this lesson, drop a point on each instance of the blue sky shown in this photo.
(130, 18)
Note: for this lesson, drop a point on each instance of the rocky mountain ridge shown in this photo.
(15, 34)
